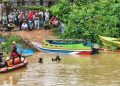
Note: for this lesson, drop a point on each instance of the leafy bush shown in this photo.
(89, 18)
(8, 44)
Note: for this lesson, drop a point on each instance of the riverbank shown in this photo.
(35, 35)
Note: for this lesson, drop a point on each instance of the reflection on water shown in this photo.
(95, 70)
(10, 79)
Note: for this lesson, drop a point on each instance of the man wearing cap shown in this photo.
(14, 52)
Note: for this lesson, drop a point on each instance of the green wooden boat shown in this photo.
(110, 41)
(67, 46)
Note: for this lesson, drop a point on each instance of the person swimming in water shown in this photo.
(40, 60)
(57, 58)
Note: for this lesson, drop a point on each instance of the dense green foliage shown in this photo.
(8, 44)
(89, 18)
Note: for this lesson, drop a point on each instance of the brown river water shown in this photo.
(102, 69)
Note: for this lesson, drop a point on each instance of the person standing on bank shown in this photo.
(62, 27)
(41, 19)
(46, 14)
(14, 52)
(36, 21)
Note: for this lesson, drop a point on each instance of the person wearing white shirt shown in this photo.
(62, 27)
(24, 25)
(46, 16)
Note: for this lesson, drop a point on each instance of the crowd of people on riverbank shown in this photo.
(31, 19)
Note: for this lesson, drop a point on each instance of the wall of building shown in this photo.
(32, 2)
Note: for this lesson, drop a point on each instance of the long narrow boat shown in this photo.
(67, 48)
(110, 41)
(14, 67)
(24, 51)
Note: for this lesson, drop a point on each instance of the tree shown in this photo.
(89, 18)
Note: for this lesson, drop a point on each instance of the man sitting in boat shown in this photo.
(14, 53)
(8, 62)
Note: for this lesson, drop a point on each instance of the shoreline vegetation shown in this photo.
(8, 42)
(6, 46)
(88, 19)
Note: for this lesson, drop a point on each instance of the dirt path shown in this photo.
(35, 35)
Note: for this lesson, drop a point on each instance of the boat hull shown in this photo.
(23, 51)
(14, 67)
(40, 48)
(109, 41)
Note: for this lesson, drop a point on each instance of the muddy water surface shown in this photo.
(95, 70)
